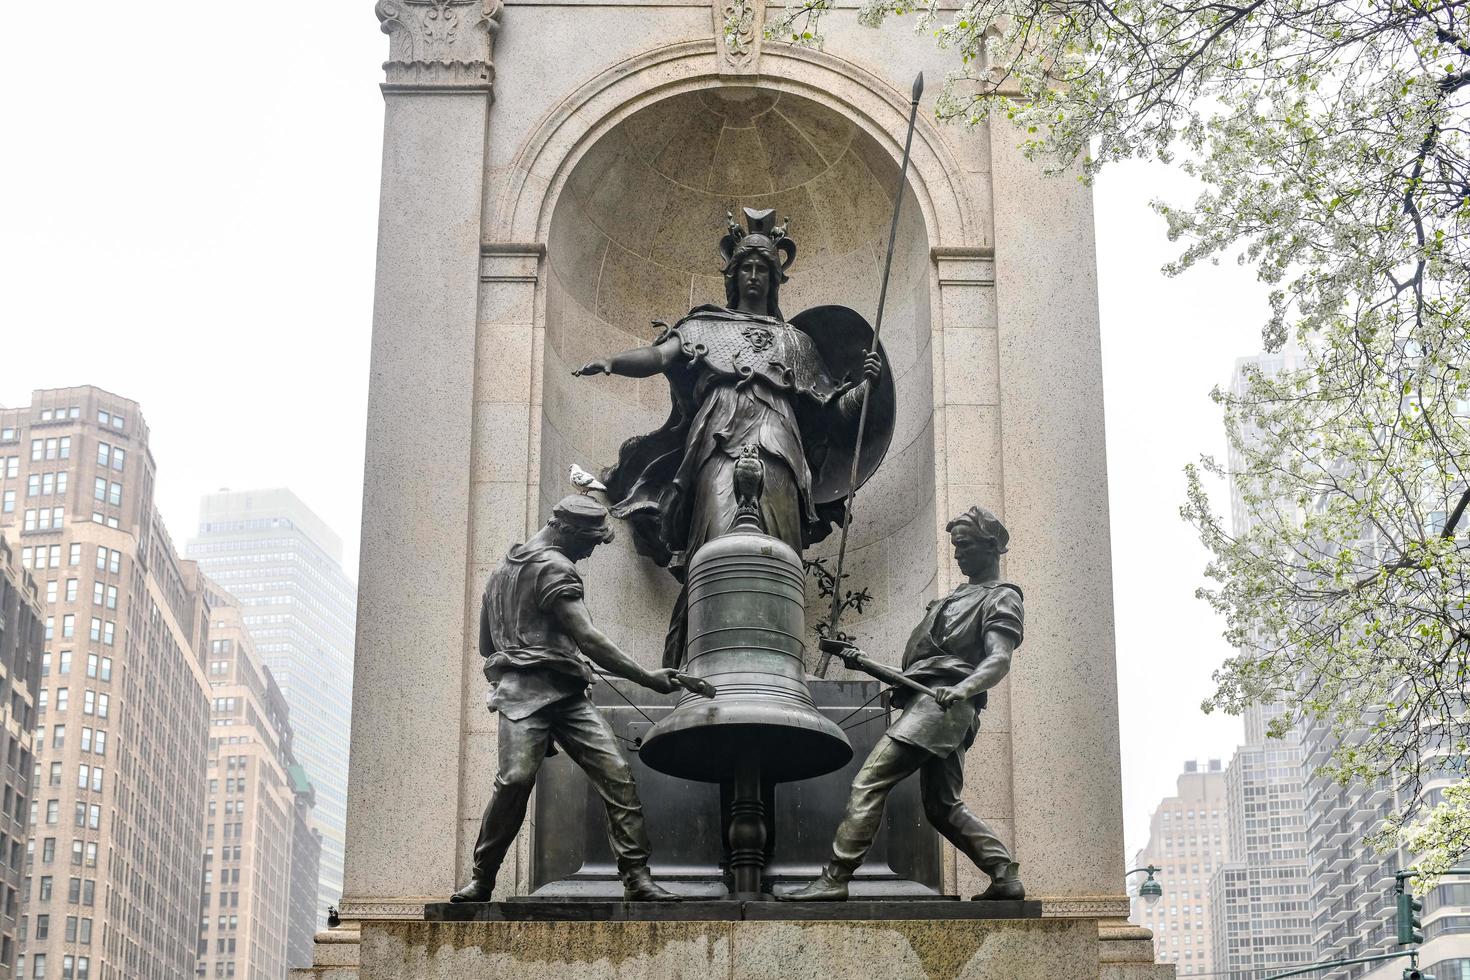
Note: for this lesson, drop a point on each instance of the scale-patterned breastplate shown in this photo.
(741, 348)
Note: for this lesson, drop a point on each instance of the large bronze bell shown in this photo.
(746, 617)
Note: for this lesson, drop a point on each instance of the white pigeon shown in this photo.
(584, 482)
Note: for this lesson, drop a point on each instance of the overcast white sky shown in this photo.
(188, 207)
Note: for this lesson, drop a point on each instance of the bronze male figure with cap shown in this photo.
(534, 632)
(960, 650)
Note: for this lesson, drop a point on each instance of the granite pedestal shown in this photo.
(934, 940)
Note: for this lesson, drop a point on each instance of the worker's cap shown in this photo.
(986, 525)
(584, 516)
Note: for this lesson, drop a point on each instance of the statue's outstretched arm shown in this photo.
(572, 616)
(640, 362)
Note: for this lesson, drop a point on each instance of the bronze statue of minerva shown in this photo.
(741, 374)
(533, 623)
(960, 650)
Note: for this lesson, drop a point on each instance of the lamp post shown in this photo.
(1150, 891)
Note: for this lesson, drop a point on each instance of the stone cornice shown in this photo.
(1086, 907)
(439, 45)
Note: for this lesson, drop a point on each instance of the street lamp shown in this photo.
(1150, 891)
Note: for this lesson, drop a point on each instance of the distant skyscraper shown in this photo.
(1188, 840)
(22, 642)
(284, 566)
(116, 843)
(306, 856)
(245, 918)
(1259, 898)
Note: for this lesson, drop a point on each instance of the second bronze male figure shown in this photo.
(960, 650)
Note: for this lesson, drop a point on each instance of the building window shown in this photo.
(75, 556)
(68, 626)
(99, 489)
(63, 663)
(61, 693)
(8, 505)
(104, 456)
(71, 590)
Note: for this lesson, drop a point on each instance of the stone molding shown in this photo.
(510, 261)
(740, 27)
(964, 265)
(1087, 907)
(441, 46)
(542, 164)
(403, 908)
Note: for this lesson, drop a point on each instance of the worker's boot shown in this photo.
(1005, 884)
(830, 887)
(478, 890)
(639, 886)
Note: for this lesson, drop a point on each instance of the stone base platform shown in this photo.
(737, 941)
(535, 909)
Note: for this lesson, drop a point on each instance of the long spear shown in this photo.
(857, 452)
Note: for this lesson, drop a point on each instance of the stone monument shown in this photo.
(551, 173)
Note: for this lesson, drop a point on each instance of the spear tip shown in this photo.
(918, 86)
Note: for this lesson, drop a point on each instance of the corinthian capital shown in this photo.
(439, 43)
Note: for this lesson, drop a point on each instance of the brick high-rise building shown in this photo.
(1188, 840)
(284, 566)
(22, 642)
(114, 856)
(246, 910)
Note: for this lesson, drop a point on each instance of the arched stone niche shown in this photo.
(632, 239)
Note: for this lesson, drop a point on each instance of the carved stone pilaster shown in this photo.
(439, 44)
(740, 26)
